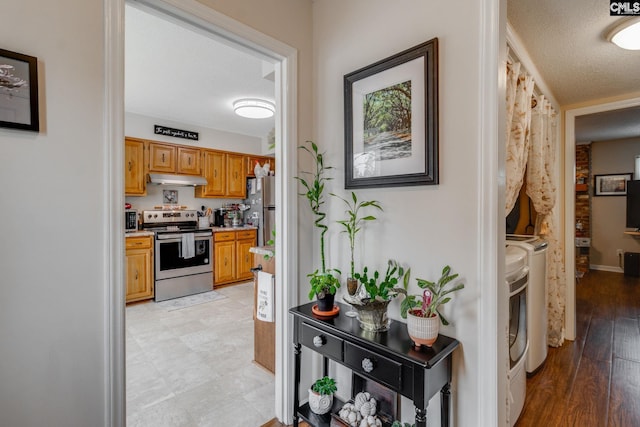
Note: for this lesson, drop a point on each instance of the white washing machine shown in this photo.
(517, 277)
(536, 249)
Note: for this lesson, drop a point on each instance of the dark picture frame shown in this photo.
(19, 91)
(612, 184)
(391, 120)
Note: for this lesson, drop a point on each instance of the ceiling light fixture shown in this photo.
(626, 34)
(254, 108)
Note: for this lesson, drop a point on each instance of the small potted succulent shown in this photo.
(423, 311)
(323, 281)
(376, 295)
(321, 395)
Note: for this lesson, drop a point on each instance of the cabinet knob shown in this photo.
(136, 274)
(367, 364)
(318, 341)
(130, 165)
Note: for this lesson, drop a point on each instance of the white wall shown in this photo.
(53, 285)
(425, 227)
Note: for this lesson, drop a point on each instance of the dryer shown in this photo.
(536, 249)
(517, 276)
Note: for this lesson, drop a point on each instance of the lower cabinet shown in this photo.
(139, 268)
(232, 260)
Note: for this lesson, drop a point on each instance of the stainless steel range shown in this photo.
(183, 253)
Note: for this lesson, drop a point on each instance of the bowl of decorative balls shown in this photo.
(361, 412)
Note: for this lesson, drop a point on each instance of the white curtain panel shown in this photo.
(541, 188)
(519, 91)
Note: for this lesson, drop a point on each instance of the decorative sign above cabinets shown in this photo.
(176, 133)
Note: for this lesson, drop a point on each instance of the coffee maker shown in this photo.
(218, 217)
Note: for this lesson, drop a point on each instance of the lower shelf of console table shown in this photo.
(388, 358)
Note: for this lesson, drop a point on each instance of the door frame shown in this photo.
(285, 60)
(569, 203)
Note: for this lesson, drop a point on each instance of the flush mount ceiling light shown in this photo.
(626, 34)
(254, 108)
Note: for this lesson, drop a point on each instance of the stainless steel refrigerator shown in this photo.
(261, 198)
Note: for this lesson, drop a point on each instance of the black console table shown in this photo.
(388, 358)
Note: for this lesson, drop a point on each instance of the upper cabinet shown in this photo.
(162, 158)
(251, 163)
(214, 169)
(134, 174)
(168, 158)
(236, 177)
(189, 161)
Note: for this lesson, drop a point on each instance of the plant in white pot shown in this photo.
(321, 395)
(323, 281)
(423, 311)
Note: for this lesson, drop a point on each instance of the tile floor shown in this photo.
(193, 367)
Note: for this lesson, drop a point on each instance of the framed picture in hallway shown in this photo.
(18, 91)
(391, 120)
(611, 184)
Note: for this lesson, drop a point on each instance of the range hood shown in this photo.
(178, 180)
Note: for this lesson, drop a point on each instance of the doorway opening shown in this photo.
(569, 206)
(284, 61)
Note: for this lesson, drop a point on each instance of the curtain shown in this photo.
(519, 91)
(541, 188)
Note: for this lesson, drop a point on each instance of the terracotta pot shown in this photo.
(320, 403)
(423, 330)
(325, 303)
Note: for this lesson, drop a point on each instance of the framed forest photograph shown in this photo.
(391, 120)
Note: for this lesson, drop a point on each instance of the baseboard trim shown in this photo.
(606, 268)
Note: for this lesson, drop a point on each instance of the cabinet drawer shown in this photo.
(137, 242)
(321, 342)
(381, 369)
(224, 236)
(245, 234)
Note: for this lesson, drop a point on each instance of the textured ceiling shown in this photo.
(174, 73)
(566, 40)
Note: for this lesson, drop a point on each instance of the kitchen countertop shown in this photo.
(244, 227)
(139, 234)
(263, 250)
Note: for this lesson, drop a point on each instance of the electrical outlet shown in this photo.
(619, 252)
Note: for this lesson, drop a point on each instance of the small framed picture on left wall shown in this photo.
(19, 91)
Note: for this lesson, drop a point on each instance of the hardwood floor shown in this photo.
(594, 380)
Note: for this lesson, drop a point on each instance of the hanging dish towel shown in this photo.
(188, 245)
(265, 309)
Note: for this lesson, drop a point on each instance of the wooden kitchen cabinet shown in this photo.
(251, 164)
(189, 161)
(134, 175)
(224, 257)
(139, 268)
(232, 259)
(245, 240)
(162, 158)
(236, 177)
(214, 170)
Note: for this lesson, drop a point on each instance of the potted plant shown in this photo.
(321, 395)
(423, 311)
(377, 294)
(352, 225)
(324, 283)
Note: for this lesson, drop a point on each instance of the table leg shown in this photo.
(296, 382)
(445, 404)
(421, 417)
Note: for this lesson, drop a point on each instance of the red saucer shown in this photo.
(330, 313)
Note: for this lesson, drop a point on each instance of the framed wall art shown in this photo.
(611, 184)
(19, 91)
(391, 120)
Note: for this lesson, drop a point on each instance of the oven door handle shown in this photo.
(178, 237)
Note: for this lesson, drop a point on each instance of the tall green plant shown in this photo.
(322, 282)
(314, 192)
(353, 224)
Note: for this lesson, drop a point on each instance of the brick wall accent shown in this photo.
(583, 203)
